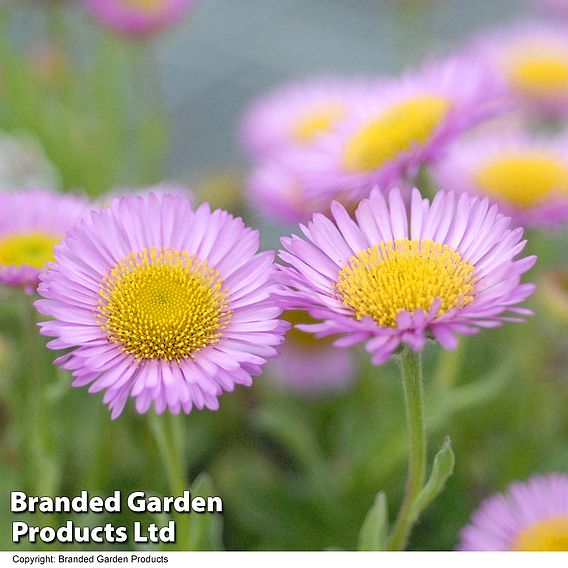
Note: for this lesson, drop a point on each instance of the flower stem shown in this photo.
(411, 367)
(169, 439)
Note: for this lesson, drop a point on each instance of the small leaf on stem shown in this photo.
(442, 469)
(206, 530)
(374, 531)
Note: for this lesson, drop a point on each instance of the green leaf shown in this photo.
(374, 531)
(442, 469)
(205, 529)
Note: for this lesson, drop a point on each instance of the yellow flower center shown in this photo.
(313, 124)
(145, 5)
(27, 249)
(404, 275)
(162, 303)
(406, 126)
(524, 180)
(540, 74)
(549, 535)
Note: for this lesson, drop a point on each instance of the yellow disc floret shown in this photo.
(524, 180)
(27, 249)
(404, 275)
(162, 303)
(548, 535)
(406, 126)
(316, 122)
(540, 74)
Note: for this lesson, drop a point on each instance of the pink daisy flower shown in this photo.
(409, 123)
(161, 303)
(529, 516)
(298, 114)
(531, 62)
(139, 18)
(393, 276)
(557, 7)
(526, 175)
(277, 189)
(32, 222)
(311, 367)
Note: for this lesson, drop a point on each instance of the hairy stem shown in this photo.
(411, 367)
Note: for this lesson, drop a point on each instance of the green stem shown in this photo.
(411, 366)
(169, 439)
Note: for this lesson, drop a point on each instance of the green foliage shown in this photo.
(98, 132)
(206, 530)
(442, 469)
(374, 532)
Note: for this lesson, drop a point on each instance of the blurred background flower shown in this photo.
(387, 138)
(526, 175)
(556, 7)
(311, 367)
(299, 114)
(139, 18)
(32, 223)
(531, 60)
(529, 516)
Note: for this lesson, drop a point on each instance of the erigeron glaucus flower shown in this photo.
(531, 61)
(298, 114)
(558, 7)
(277, 189)
(161, 303)
(408, 124)
(139, 18)
(529, 516)
(311, 367)
(526, 175)
(395, 276)
(32, 222)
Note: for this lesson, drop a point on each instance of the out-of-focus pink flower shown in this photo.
(32, 223)
(300, 113)
(408, 124)
(531, 62)
(311, 367)
(277, 189)
(556, 7)
(529, 516)
(139, 18)
(526, 175)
